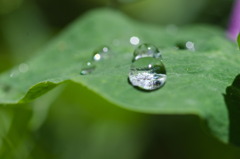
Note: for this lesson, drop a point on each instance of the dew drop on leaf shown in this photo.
(134, 40)
(14, 73)
(23, 67)
(87, 69)
(101, 53)
(147, 74)
(146, 50)
(189, 45)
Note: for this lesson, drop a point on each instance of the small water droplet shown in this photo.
(23, 68)
(134, 40)
(101, 53)
(189, 45)
(146, 50)
(87, 69)
(147, 74)
(14, 73)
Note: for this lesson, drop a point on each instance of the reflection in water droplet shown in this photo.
(146, 50)
(101, 53)
(87, 69)
(134, 40)
(23, 67)
(147, 74)
(97, 57)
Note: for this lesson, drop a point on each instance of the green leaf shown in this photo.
(5, 122)
(232, 97)
(195, 84)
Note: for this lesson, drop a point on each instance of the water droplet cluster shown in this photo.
(98, 55)
(22, 68)
(147, 71)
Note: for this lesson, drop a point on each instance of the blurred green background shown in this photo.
(85, 126)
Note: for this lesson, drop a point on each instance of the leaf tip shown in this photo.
(38, 90)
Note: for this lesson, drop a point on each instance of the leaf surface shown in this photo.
(196, 80)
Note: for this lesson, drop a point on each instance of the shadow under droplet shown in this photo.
(181, 46)
(232, 100)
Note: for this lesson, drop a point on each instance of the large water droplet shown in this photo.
(87, 69)
(101, 53)
(147, 74)
(146, 50)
